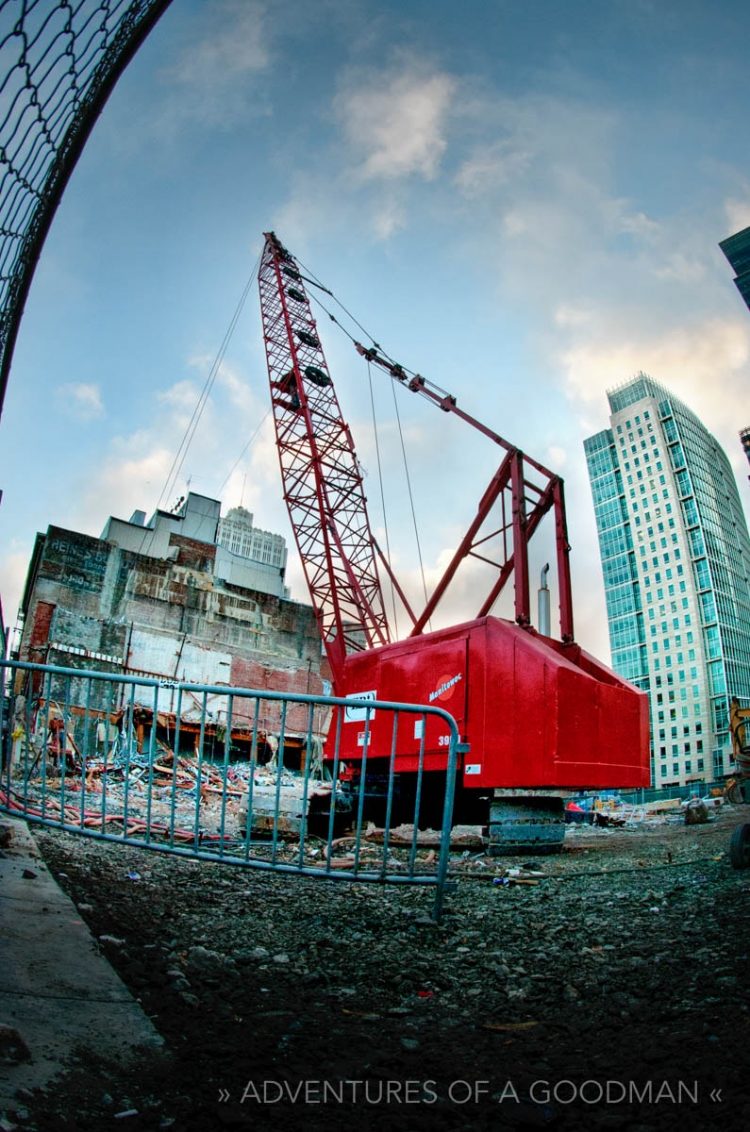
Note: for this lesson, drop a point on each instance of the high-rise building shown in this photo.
(237, 534)
(737, 250)
(745, 438)
(676, 561)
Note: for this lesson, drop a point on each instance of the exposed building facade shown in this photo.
(165, 600)
(676, 562)
(242, 555)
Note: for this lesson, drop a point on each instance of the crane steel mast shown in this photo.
(321, 476)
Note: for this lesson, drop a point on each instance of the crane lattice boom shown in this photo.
(321, 476)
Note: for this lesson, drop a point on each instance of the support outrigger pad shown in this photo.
(527, 826)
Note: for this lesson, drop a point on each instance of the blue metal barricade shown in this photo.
(237, 775)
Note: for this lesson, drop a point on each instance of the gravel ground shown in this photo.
(612, 994)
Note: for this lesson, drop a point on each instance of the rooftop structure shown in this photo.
(242, 555)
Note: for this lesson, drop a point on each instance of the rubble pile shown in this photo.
(623, 960)
(183, 799)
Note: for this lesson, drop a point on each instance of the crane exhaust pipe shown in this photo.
(544, 604)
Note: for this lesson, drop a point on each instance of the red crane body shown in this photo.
(537, 713)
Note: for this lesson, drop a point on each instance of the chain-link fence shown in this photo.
(59, 61)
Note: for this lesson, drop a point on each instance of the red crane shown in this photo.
(541, 716)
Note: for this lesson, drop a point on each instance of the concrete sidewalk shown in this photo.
(56, 988)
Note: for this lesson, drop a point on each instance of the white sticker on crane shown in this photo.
(360, 714)
(418, 728)
(473, 768)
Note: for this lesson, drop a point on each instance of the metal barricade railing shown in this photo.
(188, 769)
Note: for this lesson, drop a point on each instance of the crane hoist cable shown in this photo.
(192, 426)
(398, 372)
(226, 479)
(382, 492)
(411, 494)
(310, 279)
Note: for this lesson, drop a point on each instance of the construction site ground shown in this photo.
(610, 994)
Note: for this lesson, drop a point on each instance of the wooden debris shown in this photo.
(508, 1027)
(462, 836)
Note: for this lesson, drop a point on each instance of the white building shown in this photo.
(238, 535)
(243, 555)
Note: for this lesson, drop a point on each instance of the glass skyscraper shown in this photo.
(737, 250)
(676, 561)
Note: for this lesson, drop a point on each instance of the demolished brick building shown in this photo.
(167, 600)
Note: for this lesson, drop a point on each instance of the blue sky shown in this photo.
(521, 199)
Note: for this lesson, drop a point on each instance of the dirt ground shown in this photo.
(611, 994)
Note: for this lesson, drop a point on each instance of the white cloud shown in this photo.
(389, 218)
(14, 565)
(320, 207)
(182, 395)
(238, 389)
(541, 178)
(212, 78)
(637, 223)
(81, 400)
(395, 119)
(232, 457)
(535, 142)
(129, 479)
(232, 47)
(689, 359)
(737, 214)
(491, 167)
(681, 268)
(557, 457)
(566, 316)
(155, 462)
